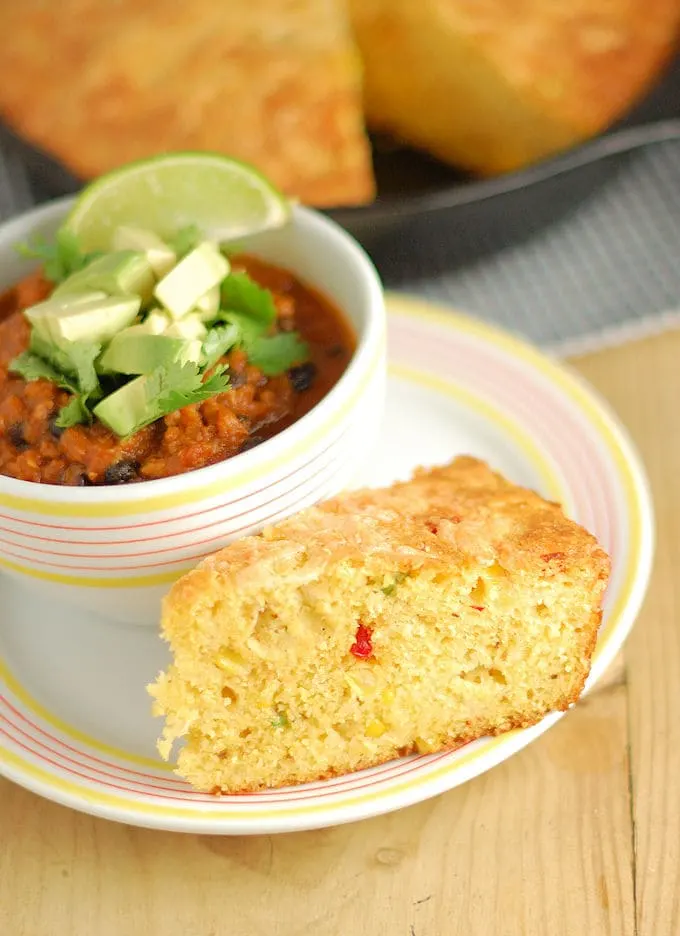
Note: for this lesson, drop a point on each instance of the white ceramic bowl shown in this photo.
(115, 550)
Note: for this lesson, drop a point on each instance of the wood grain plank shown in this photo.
(643, 384)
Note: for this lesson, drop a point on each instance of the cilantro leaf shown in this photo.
(242, 294)
(59, 257)
(81, 356)
(31, 367)
(185, 240)
(55, 358)
(175, 386)
(72, 359)
(218, 381)
(47, 253)
(248, 329)
(70, 367)
(174, 398)
(73, 413)
(217, 342)
(183, 377)
(273, 354)
(278, 353)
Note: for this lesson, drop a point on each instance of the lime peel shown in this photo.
(226, 198)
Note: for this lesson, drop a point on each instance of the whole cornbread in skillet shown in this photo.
(411, 619)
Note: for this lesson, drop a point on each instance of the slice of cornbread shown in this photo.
(414, 618)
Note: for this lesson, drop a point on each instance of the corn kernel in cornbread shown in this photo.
(414, 618)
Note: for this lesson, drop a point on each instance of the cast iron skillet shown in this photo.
(411, 184)
(425, 206)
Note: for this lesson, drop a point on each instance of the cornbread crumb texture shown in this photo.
(414, 618)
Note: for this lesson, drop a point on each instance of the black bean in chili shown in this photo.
(121, 472)
(76, 476)
(302, 376)
(251, 442)
(55, 431)
(16, 436)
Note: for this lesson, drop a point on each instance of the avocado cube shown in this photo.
(203, 268)
(93, 317)
(40, 314)
(122, 273)
(189, 327)
(124, 409)
(160, 255)
(156, 322)
(208, 305)
(135, 352)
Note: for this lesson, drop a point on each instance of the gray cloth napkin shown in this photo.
(611, 264)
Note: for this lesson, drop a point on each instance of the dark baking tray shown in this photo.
(427, 208)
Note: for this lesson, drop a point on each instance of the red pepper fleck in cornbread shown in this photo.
(414, 618)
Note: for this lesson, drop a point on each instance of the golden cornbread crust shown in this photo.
(494, 85)
(481, 602)
(273, 82)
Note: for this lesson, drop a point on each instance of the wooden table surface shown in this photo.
(578, 835)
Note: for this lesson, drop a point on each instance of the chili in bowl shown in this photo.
(109, 494)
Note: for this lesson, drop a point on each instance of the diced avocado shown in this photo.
(49, 351)
(102, 364)
(203, 268)
(138, 329)
(193, 350)
(97, 318)
(208, 305)
(132, 352)
(189, 327)
(121, 273)
(39, 315)
(160, 255)
(156, 322)
(126, 408)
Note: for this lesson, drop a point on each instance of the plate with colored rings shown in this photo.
(75, 718)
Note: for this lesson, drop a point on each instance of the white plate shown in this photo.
(75, 723)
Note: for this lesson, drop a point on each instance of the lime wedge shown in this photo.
(226, 199)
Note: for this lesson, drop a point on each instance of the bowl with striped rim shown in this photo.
(114, 550)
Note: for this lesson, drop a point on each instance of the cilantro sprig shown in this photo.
(73, 359)
(217, 342)
(275, 354)
(73, 413)
(70, 367)
(60, 257)
(31, 367)
(251, 309)
(242, 294)
(170, 388)
(178, 385)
